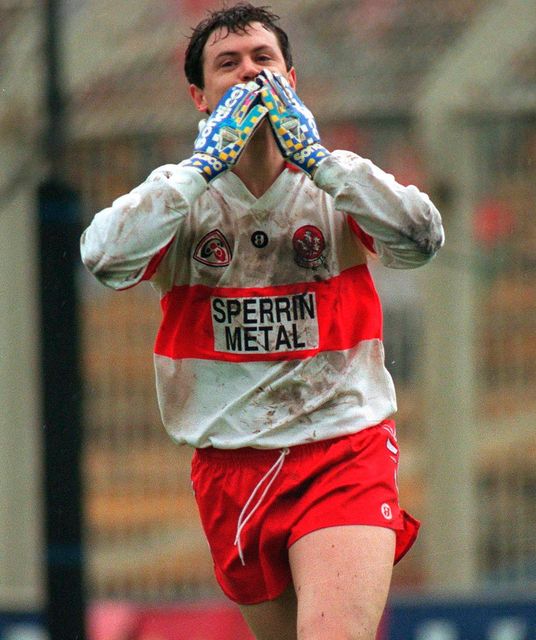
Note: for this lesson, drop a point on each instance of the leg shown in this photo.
(341, 577)
(273, 620)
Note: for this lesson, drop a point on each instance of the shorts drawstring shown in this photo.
(242, 518)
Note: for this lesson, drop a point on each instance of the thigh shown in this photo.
(274, 619)
(341, 577)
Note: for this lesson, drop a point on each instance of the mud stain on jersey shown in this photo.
(305, 387)
(220, 199)
(424, 238)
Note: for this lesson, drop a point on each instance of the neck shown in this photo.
(261, 162)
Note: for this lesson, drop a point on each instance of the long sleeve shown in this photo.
(121, 241)
(404, 224)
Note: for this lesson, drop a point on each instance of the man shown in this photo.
(269, 358)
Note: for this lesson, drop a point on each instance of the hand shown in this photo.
(293, 124)
(227, 131)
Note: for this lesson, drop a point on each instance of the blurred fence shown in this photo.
(505, 239)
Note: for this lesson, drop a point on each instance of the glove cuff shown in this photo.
(208, 166)
(309, 158)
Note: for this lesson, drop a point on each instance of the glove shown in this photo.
(293, 124)
(227, 131)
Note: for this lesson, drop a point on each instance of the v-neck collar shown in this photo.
(233, 185)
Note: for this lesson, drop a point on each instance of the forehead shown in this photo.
(254, 36)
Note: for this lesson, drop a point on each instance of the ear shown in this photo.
(198, 96)
(291, 77)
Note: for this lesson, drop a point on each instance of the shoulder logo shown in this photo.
(213, 250)
(308, 244)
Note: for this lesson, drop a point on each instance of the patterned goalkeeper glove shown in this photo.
(293, 124)
(227, 131)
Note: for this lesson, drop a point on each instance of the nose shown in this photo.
(249, 70)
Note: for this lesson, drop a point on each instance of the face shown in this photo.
(236, 58)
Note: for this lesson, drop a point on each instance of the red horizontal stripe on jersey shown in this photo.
(348, 311)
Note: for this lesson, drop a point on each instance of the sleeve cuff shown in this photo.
(332, 173)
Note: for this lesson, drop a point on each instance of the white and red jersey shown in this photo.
(271, 333)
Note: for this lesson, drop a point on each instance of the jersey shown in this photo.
(271, 332)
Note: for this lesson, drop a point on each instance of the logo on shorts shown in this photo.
(308, 244)
(213, 250)
(386, 511)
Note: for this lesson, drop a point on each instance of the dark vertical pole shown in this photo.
(55, 103)
(59, 233)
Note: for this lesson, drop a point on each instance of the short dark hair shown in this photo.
(235, 19)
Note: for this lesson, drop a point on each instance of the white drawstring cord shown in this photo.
(242, 518)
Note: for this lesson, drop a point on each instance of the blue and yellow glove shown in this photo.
(293, 124)
(227, 131)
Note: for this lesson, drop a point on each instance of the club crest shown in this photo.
(309, 244)
(213, 250)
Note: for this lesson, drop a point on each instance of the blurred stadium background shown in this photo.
(442, 93)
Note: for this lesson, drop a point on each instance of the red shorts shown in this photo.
(282, 497)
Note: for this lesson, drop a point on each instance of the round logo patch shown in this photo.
(308, 244)
(386, 511)
(259, 239)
